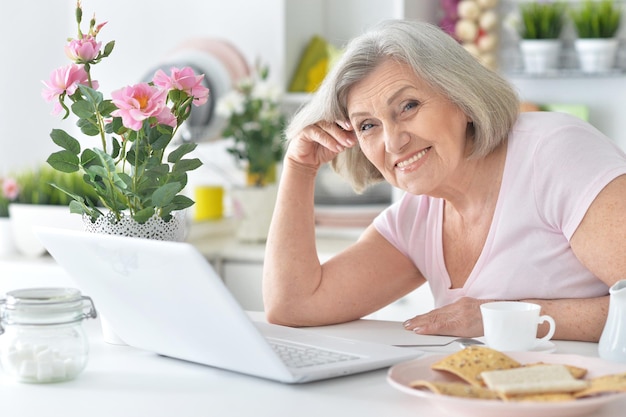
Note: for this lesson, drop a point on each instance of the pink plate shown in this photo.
(401, 375)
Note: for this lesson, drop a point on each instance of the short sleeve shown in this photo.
(572, 164)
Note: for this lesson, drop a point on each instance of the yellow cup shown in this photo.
(209, 202)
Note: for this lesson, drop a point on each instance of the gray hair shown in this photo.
(487, 99)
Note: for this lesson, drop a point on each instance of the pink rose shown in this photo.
(185, 80)
(137, 103)
(83, 50)
(10, 188)
(166, 117)
(65, 80)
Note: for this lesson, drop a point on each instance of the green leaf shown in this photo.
(159, 139)
(165, 194)
(88, 126)
(158, 171)
(108, 48)
(65, 141)
(93, 96)
(83, 109)
(77, 208)
(75, 196)
(130, 157)
(64, 161)
(142, 216)
(116, 148)
(105, 160)
(115, 126)
(182, 202)
(88, 157)
(187, 165)
(106, 107)
(125, 178)
(181, 151)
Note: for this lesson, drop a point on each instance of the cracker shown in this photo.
(576, 371)
(456, 389)
(470, 362)
(604, 384)
(535, 379)
(544, 398)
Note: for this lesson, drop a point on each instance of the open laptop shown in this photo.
(165, 297)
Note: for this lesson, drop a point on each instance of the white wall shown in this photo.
(34, 32)
(29, 32)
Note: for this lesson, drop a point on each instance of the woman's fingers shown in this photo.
(321, 142)
(461, 318)
(338, 135)
(344, 124)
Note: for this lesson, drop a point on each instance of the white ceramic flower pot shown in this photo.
(540, 55)
(596, 55)
(155, 228)
(253, 208)
(7, 245)
(26, 217)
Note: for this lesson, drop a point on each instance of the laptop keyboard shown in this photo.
(301, 356)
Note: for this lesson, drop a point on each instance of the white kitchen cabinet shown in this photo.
(243, 279)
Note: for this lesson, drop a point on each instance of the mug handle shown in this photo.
(550, 320)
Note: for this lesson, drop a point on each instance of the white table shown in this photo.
(123, 381)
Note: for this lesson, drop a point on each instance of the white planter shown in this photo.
(596, 55)
(253, 208)
(25, 217)
(540, 55)
(7, 244)
(154, 228)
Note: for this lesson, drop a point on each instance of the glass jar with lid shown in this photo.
(41, 334)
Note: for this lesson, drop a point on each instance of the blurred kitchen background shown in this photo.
(147, 32)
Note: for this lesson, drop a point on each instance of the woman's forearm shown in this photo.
(291, 270)
(576, 319)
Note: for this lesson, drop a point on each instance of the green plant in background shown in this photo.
(542, 20)
(4, 206)
(35, 187)
(597, 19)
(255, 122)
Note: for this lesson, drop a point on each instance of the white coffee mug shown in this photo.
(512, 325)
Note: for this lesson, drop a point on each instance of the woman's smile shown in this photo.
(411, 162)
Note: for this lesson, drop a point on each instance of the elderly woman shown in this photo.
(498, 206)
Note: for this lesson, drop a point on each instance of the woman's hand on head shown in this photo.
(461, 318)
(319, 143)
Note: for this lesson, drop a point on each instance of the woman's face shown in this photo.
(414, 136)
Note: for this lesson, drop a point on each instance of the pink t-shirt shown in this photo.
(555, 166)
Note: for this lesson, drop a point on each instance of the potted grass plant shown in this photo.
(36, 202)
(540, 29)
(596, 24)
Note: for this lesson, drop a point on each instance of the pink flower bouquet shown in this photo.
(135, 127)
